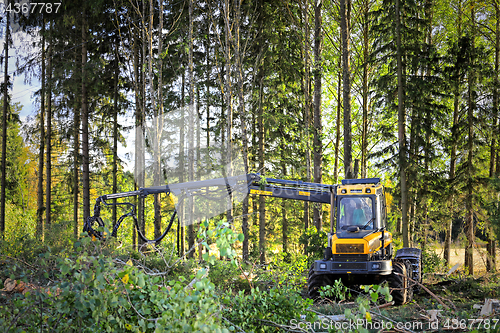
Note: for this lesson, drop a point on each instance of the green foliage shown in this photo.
(432, 262)
(18, 160)
(91, 292)
(21, 245)
(264, 310)
(262, 183)
(291, 274)
(225, 275)
(224, 237)
(373, 293)
(392, 219)
(27, 259)
(397, 243)
(492, 205)
(336, 291)
(315, 242)
(95, 294)
(19, 222)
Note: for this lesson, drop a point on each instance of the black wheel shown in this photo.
(398, 283)
(417, 287)
(315, 282)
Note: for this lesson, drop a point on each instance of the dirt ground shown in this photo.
(458, 255)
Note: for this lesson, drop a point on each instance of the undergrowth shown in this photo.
(93, 286)
(86, 286)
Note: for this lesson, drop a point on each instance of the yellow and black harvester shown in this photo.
(359, 251)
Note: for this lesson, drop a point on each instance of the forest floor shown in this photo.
(451, 303)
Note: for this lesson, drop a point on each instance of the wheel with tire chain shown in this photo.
(417, 287)
(399, 283)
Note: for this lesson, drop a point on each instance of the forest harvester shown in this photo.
(359, 250)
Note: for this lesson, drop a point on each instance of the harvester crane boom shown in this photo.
(247, 184)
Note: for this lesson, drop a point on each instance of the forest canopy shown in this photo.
(316, 91)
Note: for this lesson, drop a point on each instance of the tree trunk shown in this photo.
(229, 104)
(469, 209)
(85, 123)
(141, 154)
(159, 126)
(115, 129)
(345, 21)
(138, 129)
(402, 130)
(255, 149)
(48, 172)
(306, 86)
(207, 86)
(198, 159)
(182, 206)
(156, 123)
(39, 212)
(318, 127)
(4, 127)
(414, 210)
(337, 127)
(453, 152)
(207, 92)
(425, 211)
(243, 120)
(262, 199)
(365, 89)
(76, 154)
(453, 162)
(191, 118)
(491, 247)
(429, 18)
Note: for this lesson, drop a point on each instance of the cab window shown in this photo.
(355, 211)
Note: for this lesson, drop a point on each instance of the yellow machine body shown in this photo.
(367, 245)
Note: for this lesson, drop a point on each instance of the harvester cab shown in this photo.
(360, 249)
(361, 218)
